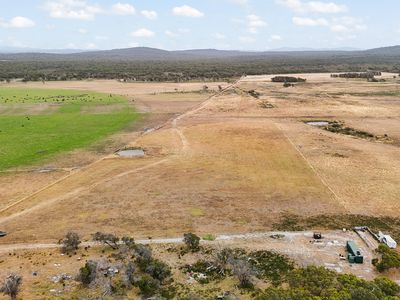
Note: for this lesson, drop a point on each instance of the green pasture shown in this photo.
(36, 124)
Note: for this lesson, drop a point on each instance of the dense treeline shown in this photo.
(185, 70)
(369, 74)
(287, 79)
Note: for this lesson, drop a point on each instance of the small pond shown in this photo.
(318, 123)
(131, 153)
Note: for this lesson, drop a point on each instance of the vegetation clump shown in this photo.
(209, 237)
(366, 75)
(271, 266)
(70, 242)
(389, 259)
(135, 267)
(339, 127)
(287, 84)
(107, 239)
(192, 241)
(205, 271)
(266, 265)
(244, 272)
(11, 286)
(88, 273)
(265, 104)
(287, 79)
(290, 222)
(254, 94)
(318, 283)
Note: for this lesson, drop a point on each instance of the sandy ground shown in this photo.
(226, 165)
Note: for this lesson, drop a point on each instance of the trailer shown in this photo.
(387, 239)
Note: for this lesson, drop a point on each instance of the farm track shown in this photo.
(323, 181)
(176, 240)
(101, 171)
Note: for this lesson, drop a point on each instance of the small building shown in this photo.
(354, 255)
(387, 239)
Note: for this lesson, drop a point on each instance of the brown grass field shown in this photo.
(216, 164)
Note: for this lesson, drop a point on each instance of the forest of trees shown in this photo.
(30, 69)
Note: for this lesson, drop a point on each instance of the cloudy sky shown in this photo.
(189, 24)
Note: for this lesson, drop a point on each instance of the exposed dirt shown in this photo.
(40, 263)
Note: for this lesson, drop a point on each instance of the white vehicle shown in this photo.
(387, 239)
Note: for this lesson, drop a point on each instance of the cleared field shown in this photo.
(228, 164)
(239, 178)
(37, 124)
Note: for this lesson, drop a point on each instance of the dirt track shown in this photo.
(227, 165)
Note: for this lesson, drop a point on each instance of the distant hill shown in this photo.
(387, 51)
(146, 54)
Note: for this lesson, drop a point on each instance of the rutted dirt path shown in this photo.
(176, 240)
(104, 170)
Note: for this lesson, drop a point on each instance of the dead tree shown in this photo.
(243, 271)
(11, 286)
(106, 238)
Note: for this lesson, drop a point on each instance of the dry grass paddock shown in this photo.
(227, 165)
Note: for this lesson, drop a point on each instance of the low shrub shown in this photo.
(148, 286)
(192, 241)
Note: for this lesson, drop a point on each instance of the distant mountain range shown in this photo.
(146, 54)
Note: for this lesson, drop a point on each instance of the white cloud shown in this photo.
(149, 14)
(123, 9)
(255, 22)
(347, 24)
(276, 37)
(133, 44)
(72, 9)
(326, 8)
(17, 22)
(82, 31)
(187, 11)
(309, 21)
(143, 33)
(171, 34)
(299, 6)
(344, 27)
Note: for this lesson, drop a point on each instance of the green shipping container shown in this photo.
(354, 255)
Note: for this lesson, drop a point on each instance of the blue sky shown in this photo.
(189, 24)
